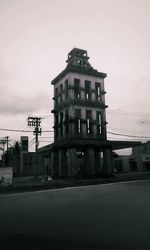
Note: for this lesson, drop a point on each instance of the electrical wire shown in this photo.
(45, 141)
(47, 116)
(19, 130)
(47, 131)
(46, 137)
(51, 131)
(125, 112)
(31, 145)
(31, 140)
(134, 136)
(14, 130)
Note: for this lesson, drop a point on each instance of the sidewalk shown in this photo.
(30, 183)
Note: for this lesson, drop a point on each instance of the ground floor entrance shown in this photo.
(82, 162)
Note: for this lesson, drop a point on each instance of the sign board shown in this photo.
(24, 143)
(6, 176)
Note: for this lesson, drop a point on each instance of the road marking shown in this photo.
(69, 188)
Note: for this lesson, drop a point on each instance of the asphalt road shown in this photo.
(110, 216)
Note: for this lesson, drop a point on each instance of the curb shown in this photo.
(58, 185)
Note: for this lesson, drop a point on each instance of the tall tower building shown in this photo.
(80, 135)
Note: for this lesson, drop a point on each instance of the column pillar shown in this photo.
(60, 163)
(107, 161)
(52, 164)
(71, 158)
(90, 161)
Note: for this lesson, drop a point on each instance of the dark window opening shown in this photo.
(133, 165)
(98, 91)
(80, 154)
(66, 88)
(99, 122)
(77, 88)
(67, 122)
(61, 93)
(84, 63)
(88, 121)
(61, 124)
(78, 120)
(56, 96)
(87, 90)
(79, 62)
(56, 126)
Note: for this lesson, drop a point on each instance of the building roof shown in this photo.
(75, 142)
(124, 144)
(77, 62)
(78, 53)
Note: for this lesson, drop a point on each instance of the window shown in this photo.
(78, 120)
(98, 91)
(61, 123)
(88, 121)
(101, 154)
(79, 154)
(66, 88)
(77, 88)
(56, 95)
(66, 122)
(56, 126)
(99, 122)
(61, 93)
(87, 90)
(79, 62)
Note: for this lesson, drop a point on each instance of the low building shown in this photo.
(141, 156)
(138, 161)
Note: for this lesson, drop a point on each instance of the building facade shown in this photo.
(80, 136)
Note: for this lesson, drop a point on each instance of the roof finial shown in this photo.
(79, 58)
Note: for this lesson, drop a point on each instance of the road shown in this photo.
(109, 216)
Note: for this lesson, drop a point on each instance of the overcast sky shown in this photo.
(36, 36)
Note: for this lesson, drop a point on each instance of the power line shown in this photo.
(31, 140)
(134, 136)
(31, 145)
(51, 131)
(121, 130)
(47, 137)
(45, 141)
(19, 130)
(47, 116)
(125, 112)
(23, 126)
(15, 130)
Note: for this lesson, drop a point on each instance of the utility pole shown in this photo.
(7, 150)
(3, 142)
(36, 123)
(7, 142)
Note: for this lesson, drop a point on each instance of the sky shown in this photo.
(37, 35)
